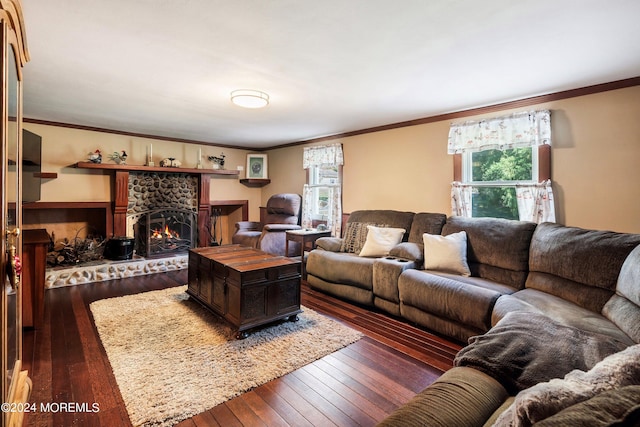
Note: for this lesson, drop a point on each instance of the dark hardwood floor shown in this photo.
(358, 385)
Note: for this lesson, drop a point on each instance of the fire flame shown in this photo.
(169, 234)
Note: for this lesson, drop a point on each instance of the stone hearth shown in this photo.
(108, 270)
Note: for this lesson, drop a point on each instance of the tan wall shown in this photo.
(596, 149)
(595, 155)
(63, 147)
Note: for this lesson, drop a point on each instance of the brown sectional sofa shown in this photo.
(542, 300)
(347, 275)
(458, 306)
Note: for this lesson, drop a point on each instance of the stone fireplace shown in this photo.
(139, 199)
(162, 213)
(164, 232)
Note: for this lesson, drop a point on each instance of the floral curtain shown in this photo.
(307, 206)
(524, 129)
(334, 219)
(461, 199)
(535, 202)
(316, 156)
(322, 155)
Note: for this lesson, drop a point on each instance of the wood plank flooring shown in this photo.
(356, 386)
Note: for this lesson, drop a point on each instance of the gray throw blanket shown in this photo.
(608, 390)
(524, 349)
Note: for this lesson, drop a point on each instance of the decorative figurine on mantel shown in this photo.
(218, 162)
(170, 162)
(119, 158)
(95, 157)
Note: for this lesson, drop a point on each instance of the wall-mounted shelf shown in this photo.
(255, 182)
(46, 175)
(110, 166)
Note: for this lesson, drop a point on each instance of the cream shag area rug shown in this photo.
(173, 359)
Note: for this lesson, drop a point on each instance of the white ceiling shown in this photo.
(167, 67)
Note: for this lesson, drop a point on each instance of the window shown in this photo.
(322, 195)
(502, 167)
(322, 179)
(493, 175)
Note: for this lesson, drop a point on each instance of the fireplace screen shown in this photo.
(165, 232)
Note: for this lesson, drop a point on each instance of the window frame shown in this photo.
(316, 218)
(541, 164)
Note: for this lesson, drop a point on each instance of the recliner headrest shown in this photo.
(285, 203)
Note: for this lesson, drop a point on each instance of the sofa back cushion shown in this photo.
(387, 218)
(426, 222)
(497, 249)
(578, 265)
(623, 308)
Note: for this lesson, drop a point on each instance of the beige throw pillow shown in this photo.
(446, 253)
(380, 240)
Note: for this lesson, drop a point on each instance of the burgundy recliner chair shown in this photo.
(282, 214)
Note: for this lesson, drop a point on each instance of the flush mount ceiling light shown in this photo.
(249, 98)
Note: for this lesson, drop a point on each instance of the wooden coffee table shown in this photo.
(245, 286)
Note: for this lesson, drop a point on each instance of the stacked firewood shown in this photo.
(66, 252)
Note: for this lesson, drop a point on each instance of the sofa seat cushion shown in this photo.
(558, 309)
(341, 267)
(469, 302)
(460, 397)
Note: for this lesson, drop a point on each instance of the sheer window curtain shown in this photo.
(316, 156)
(524, 129)
(461, 199)
(535, 202)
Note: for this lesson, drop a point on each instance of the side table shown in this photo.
(304, 237)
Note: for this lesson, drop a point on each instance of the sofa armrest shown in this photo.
(460, 397)
(248, 226)
(331, 244)
(281, 227)
(407, 250)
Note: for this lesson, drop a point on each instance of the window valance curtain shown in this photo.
(322, 155)
(524, 129)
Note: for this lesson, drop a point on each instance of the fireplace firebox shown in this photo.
(164, 232)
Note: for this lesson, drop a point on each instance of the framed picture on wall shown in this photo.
(257, 166)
